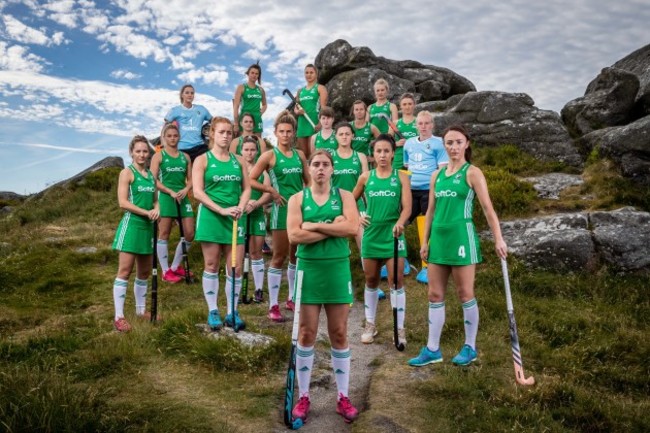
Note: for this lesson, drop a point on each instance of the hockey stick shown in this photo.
(399, 346)
(293, 99)
(186, 260)
(233, 264)
(154, 276)
(244, 285)
(514, 336)
(391, 124)
(293, 424)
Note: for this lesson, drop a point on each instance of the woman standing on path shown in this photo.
(287, 168)
(255, 212)
(173, 172)
(320, 220)
(388, 198)
(451, 245)
(247, 121)
(221, 186)
(310, 98)
(250, 98)
(136, 195)
(190, 119)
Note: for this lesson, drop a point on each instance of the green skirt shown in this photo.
(324, 281)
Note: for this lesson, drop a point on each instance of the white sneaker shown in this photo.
(401, 336)
(369, 333)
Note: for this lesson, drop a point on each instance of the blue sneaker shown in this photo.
(214, 320)
(407, 267)
(383, 273)
(381, 295)
(466, 356)
(426, 357)
(422, 276)
(238, 321)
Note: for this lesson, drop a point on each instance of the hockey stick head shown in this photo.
(521, 379)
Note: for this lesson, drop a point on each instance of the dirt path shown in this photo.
(323, 416)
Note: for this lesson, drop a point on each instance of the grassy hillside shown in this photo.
(62, 368)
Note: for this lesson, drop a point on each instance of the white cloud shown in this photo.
(123, 73)
(174, 40)
(19, 32)
(18, 58)
(210, 75)
(62, 12)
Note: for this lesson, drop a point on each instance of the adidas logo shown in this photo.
(467, 322)
(213, 166)
(123, 296)
(210, 292)
(308, 208)
(372, 182)
(305, 368)
(339, 371)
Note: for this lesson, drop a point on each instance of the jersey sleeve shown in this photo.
(171, 115)
(406, 151)
(441, 155)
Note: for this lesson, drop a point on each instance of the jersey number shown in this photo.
(188, 207)
(401, 245)
(461, 251)
(240, 232)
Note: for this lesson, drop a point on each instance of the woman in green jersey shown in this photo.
(134, 237)
(406, 126)
(451, 244)
(320, 220)
(364, 131)
(255, 212)
(310, 98)
(247, 121)
(381, 106)
(250, 98)
(173, 172)
(349, 165)
(221, 185)
(325, 138)
(388, 198)
(287, 168)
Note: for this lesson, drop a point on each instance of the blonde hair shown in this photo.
(319, 152)
(382, 82)
(424, 113)
(138, 139)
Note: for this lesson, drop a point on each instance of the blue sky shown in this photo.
(79, 78)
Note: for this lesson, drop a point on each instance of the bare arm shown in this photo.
(322, 95)
(264, 106)
(155, 170)
(233, 146)
(245, 185)
(340, 227)
(306, 179)
(266, 162)
(360, 186)
(373, 129)
(364, 162)
(235, 105)
(476, 181)
(404, 215)
(294, 223)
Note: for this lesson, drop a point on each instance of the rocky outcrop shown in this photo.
(578, 241)
(608, 101)
(349, 73)
(8, 196)
(496, 118)
(628, 146)
(549, 186)
(638, 63)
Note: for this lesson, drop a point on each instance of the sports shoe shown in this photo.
(422, 276)
(346, 410)
(425, 357)
(180, 271)
(291, 306)
(259, 296)
(275, 315)
(466, 356)
(407, 267)
(383, 273)
(401, 336)
(121, 325)
(171, 277)
(301, 409)
(369, 333)
(238, 321)
(214, 320)
(381, 295)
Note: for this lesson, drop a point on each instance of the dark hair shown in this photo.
(259, 69)
(326, 112)
(319, 152)
(138, 139)
(342, 125)
(358, 101)
(247, 114)
(311, 65)
(407, 95)
(383, 137)
(460, 129)
(185, 86)
(285, 117)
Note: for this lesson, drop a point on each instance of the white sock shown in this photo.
(401, 308)
(291, 278)
(304, 365)
(161, 250)
(341, 367)
(436, 322)
(470, 318)
(257, 267)
(178, 255)
(370, 300)
(211, 289)
(274, 277)
(140, 292)
(119, 296)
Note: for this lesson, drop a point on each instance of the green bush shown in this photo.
(511, 159)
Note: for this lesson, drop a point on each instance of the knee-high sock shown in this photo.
(161, 250)
(291, 278)
(178, 255)
(370, 300)
(341, 367)
(211, 289)
(436, 322)
(470, 318)
(304, 365)
(119, 296)
(398, 300)
(257, 267)
(140, 292)
(274, 277)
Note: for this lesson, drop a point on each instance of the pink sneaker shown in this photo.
(275, 315)
(290, 305)
(171, 277)
(346, 410)
(121, 325)
(301, 409)
(180, 271)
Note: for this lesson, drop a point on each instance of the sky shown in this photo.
(79, 78)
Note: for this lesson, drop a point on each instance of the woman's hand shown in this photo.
(398, 229)
(424, 251)
(364, 219)
(501, 249)
(233, 211)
